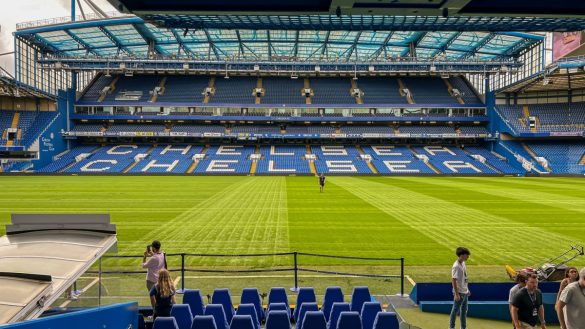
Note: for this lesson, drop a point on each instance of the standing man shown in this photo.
(571, 305)
(520, 283)
(460, 287)
(154, 264)
(321, 182)
(527, 309)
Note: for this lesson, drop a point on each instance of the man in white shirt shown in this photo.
(460, 288)
(571, 305)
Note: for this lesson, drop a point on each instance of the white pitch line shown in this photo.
(86, 288)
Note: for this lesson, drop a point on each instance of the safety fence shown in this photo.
(219, 270)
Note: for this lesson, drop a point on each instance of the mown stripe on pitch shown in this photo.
(549, 217)
(493, 239)
(337, 222)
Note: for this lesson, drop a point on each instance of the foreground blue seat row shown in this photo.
(371, 317)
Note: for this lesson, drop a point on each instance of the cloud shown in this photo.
(18, 11)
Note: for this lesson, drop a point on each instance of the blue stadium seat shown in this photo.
(359, 296)
(332, 295)
(223, 297)
(314, 320)
(306, 295)
(349, 320)
(242, 322)
(278, 307)
(251, 296)
(306, 307)
(336, 310)
(277, 320)
(368, 314)
(204, 322)
(183, 316)
(165, 322)
(278, 295)
(386, 320)
(195, 300)
(218, 314)
(249, 309)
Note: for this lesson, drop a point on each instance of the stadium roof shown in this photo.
(565, 74)
(133, 37)
(9, 88)
(413, 15)
(517, 8)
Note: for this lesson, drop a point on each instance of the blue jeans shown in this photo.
(461, 308)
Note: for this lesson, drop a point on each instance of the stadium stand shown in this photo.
(235, 90)
(282, 91)
(549, 117)
(94, 90)
(429, 90)
(380, 91)
(331, 91)
(167, 159)
(467, 93)
(134, 88)
(281, 160)
(339, 159)
(185, 89)
(449, 160)
(226, 160)
(562, 157)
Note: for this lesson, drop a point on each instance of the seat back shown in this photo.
(306, 307)
(165, 322)
(359, 296)
(183, 316)
(249, 309)
(349, 320)
(251, 296)
(278, 307)
(216, 310)
(336, 310)
(277, 320)
(386, 320)
(242, 322)
(278, 295)
(332, 295)
(203, 322)
(368, 314)
(223, 297)
(306, 295)
(314, 320)
(195, 300)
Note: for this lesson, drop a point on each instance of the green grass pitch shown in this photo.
(517, 221)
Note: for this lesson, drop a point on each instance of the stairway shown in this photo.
(196, 162)
(212, 86)
(162, 83)
(259, 85)
(354, 85)
(307, 85)
(370, 165)
(450, 89)
(311, 163)
(402, 93)
(254, 163)
(437, 171)
(534, 155)
(134, 163)
(112, 88)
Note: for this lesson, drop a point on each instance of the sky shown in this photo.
(18, 11)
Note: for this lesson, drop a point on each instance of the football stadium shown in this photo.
(328, 164)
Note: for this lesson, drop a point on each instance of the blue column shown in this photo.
(73, 10)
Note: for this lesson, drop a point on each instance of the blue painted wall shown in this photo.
(51, 142)
(120, 316)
